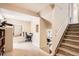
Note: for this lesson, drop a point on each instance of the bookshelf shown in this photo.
(2, 41)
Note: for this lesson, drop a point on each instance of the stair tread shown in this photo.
(68, 51)
(72, 40)
(74, 24)
(59, 54)
(72, 35)
(73, 31)
(74, 28)
(74, 46)
(1, 38)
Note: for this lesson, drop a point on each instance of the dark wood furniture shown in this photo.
(2, 36)
(2, 41)
(5, 23)
(28, 36)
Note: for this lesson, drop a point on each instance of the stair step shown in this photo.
(59, 54)
(72, 40)
(70, 44)
(73, 46)
(1, 38)
(74, 32)
(73, 29)
(69, 51)
(74, 24)
(72, 35)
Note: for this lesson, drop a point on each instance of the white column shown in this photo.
(75, 13)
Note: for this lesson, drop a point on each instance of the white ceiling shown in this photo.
(16, 15)
(35, 7)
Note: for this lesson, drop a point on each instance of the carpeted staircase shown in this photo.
(69, 45)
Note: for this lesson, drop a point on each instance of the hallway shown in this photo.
(42, 24)
(21, 52)
(19, 43)
(22, 48)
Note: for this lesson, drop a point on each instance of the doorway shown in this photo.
(73, 13)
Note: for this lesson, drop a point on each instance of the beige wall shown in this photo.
(17, 8)
(61, 20)
(58, 17)
(44, 25)
(36, 35)
(26, 26)
(8, 39)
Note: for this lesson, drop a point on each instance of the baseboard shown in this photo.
(47, 54)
